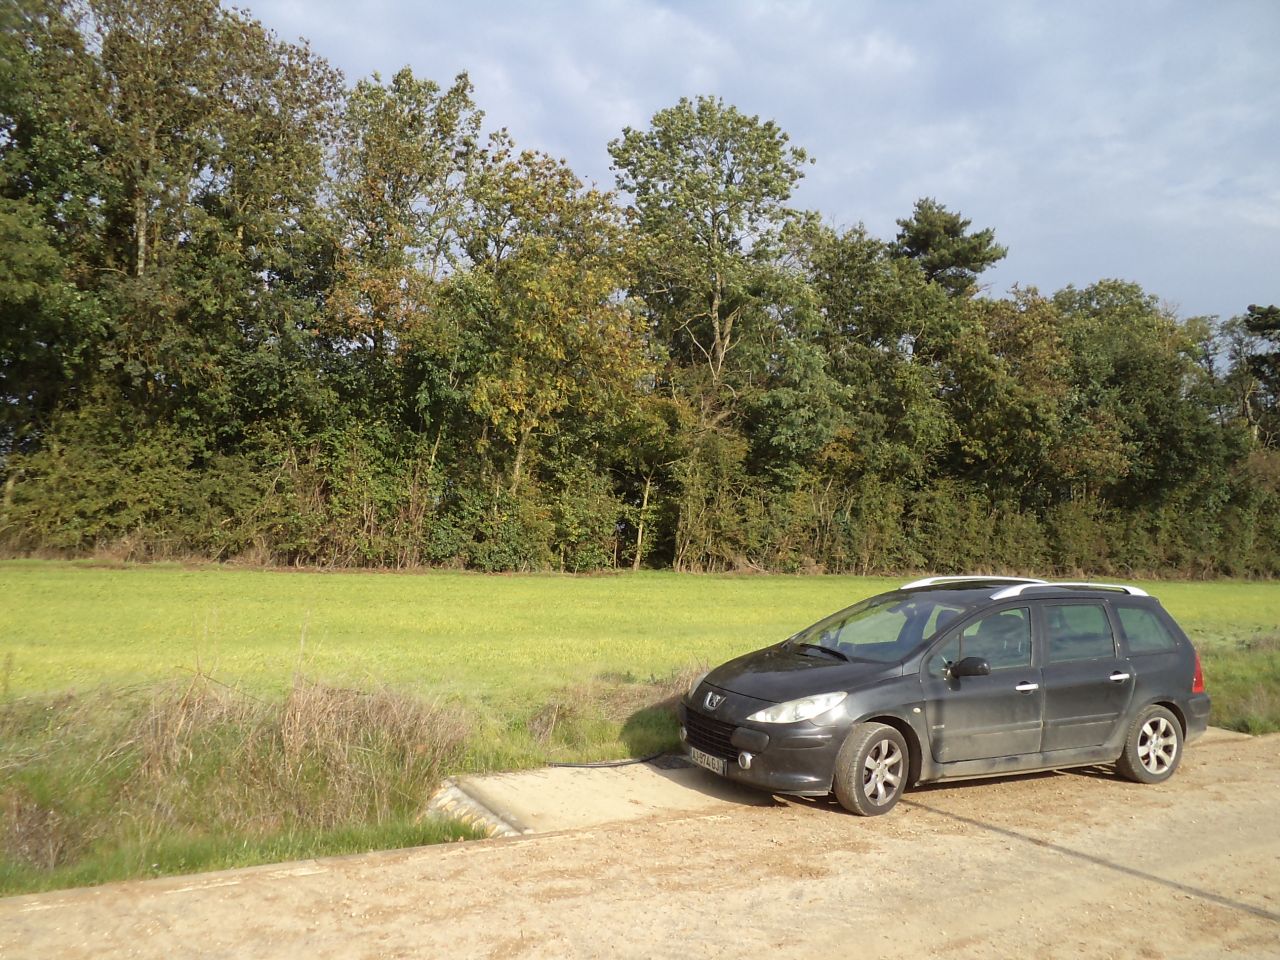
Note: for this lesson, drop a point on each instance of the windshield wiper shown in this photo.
(831, 650)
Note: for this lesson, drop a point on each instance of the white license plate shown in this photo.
(714, 764)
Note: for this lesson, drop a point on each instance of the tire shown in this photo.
(1153, 748)
(871, 769)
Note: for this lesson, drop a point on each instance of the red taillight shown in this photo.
(1197, 682)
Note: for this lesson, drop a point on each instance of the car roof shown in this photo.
(992, 588)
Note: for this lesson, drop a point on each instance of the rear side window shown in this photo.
(1078, 631)
(1145, 631)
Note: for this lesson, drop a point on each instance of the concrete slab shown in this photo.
(569, 798)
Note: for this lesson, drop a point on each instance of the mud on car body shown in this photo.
(950, 678)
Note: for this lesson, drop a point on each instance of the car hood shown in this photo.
(779, 673)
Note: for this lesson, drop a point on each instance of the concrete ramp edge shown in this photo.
(453, 801)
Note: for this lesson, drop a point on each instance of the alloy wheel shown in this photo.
(882, 772)
(1157, 745)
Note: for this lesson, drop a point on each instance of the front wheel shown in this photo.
(1153, 749)
(871, 769)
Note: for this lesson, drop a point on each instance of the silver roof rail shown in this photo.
(1008, 592)
(931, 581)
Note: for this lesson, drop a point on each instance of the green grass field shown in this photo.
(164, 719)
(497, 639)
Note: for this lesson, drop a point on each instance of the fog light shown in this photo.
(684, 734)
(744, 760)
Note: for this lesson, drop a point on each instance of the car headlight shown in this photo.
(806, 708)
(697, 681)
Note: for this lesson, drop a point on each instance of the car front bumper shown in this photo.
(795, 758)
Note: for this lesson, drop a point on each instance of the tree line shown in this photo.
(253, 311)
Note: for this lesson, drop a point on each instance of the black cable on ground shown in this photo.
(612, 763)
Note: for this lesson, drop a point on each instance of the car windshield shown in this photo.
(883, 629)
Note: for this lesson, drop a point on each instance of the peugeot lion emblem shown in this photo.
(713, 700)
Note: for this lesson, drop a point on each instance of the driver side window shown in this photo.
(1002, 639)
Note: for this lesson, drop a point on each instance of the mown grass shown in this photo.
(167, 719)
(498, 639)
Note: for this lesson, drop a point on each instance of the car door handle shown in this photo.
(1119, 677)
(1027, 687)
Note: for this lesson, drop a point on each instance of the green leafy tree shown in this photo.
(400, 202)
(50, 228)
(39, 332)
(940, 242)
(1136, 424)
(542, 294)
(163, 164)
(709, 186)
(1011, 375)
(207, 145)
(882, 324)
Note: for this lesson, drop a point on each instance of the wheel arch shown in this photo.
(908, 732)
(1176, 710)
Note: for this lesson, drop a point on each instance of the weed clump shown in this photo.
(123, 783)
(35, 834)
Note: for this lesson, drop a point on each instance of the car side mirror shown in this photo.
(971, 667)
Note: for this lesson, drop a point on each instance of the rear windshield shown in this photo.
(889, 627)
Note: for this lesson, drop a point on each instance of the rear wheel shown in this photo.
(1154, 747)
(871, 769)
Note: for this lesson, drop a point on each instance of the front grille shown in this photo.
(710, 735)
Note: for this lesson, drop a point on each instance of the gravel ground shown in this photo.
(1064, 865)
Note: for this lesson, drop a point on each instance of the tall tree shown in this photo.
(51, 322)
(1135, 427)
(883, 325)
(1011, 378)
(710, 186)
(205, 135)
(402, 167)
(542, 294)
(1264, 363)
(939, 240)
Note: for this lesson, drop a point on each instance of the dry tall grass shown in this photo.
(199, 758)
(195, 774)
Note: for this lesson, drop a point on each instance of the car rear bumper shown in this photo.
(1197, 715)
(793, 758)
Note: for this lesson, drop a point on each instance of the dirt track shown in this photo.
(1054, 866)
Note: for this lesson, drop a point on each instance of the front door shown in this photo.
(975, 718)
(1087, 686)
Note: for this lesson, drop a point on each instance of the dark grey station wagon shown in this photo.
(949, 678)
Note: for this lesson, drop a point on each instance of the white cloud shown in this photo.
(1138, 140)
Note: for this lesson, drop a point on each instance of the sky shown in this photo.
(1136, 140)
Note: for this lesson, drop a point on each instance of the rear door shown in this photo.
(1087, 684)
(975, 718)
